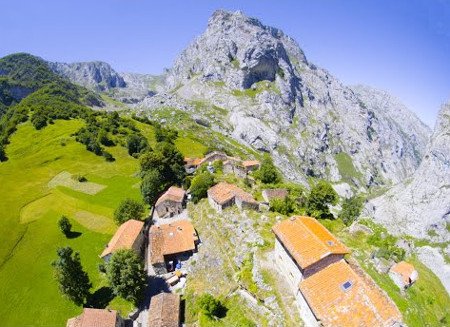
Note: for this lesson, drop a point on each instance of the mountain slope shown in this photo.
(420, 206)
(278, 101)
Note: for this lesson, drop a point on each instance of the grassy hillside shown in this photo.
(31, 205)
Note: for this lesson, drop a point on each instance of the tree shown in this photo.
(136, 143)
(73, 280)
(165, 134)
(152, 186)
(321, 196)
(200, 185)
(210, 306)
(268, 173)
(351, 209)
(284, 206)
(126, 275)
(128, 209)
(167, 160)
(64, 225)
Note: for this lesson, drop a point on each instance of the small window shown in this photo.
(330, 243)
(347, 285)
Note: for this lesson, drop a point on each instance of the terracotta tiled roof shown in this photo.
(193, 161)
(94, 318)
(405, 270)
(307, 240)
(176, 237)
(224, 192)
(124, 237)
(250, 163)
(164, 310)
(174, 193)
(339, 297)
(276, 193)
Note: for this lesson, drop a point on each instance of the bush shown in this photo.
(210, 306)
(108, 156)
(351, 209)
(322, 195)
(268, 173)
(284, 206)
(129, 209)
(64, 225)
(136, 143)
(200, 185)
(2, 153)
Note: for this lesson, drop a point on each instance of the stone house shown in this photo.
(129, 235)
(234, 167)
(276, 193)
(170, 243)
(214, 156)
(164, 310)
(171, 203)
(96, 317)
(223, 195)
(403, 274)
(312, 261)
(251, 165)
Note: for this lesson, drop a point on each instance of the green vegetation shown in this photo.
(126, 275)
(351, 209)
(268, 173)
(128, 209)
(284, 206)
(73, 280)
(209, 306)
(64, 225)
(322, 195)
(200, 185)
(346, 168)
(260, 87)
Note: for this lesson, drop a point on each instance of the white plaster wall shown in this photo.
(305, 311)
(287, 265)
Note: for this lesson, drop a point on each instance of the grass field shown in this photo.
(29, 210)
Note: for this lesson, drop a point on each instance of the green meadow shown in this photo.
(30, 209)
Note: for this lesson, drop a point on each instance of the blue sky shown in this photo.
(401, 46)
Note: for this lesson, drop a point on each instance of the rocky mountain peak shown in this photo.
(96, 75)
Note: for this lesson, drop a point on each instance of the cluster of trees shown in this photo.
(129, 209)
(161, 167)
(268, 173)
(200, 185)
(125, 273)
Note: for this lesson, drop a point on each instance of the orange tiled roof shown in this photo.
(94, 318)
(224, 192)
(177, 237)
(124, 237)
(250, 163)
(174, 193)
(164, 310)
(404, 269)
(339, 297)
(307, 240)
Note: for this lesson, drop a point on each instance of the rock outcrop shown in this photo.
(277, 101)
(420, 206)
(95, 75)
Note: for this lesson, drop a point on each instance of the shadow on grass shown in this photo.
(73, 234)
(221, 311)
(100, 298)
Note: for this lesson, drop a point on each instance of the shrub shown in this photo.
(321, 196)
(2, 153)
(351, 209)
(284, 206)
(136, 143)
(129, 209)
(108, 156)
(210, 306)
(200, 185)
(152, 186)
(64, 225)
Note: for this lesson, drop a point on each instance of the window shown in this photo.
(347, 285)
(330, 243)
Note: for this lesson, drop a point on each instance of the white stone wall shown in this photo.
(287, 265)
(305, 311)
(398, 280)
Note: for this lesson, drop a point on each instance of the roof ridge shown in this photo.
(328, 252)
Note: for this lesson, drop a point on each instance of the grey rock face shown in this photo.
(420, 206)
(95, 75)
(281, 103)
